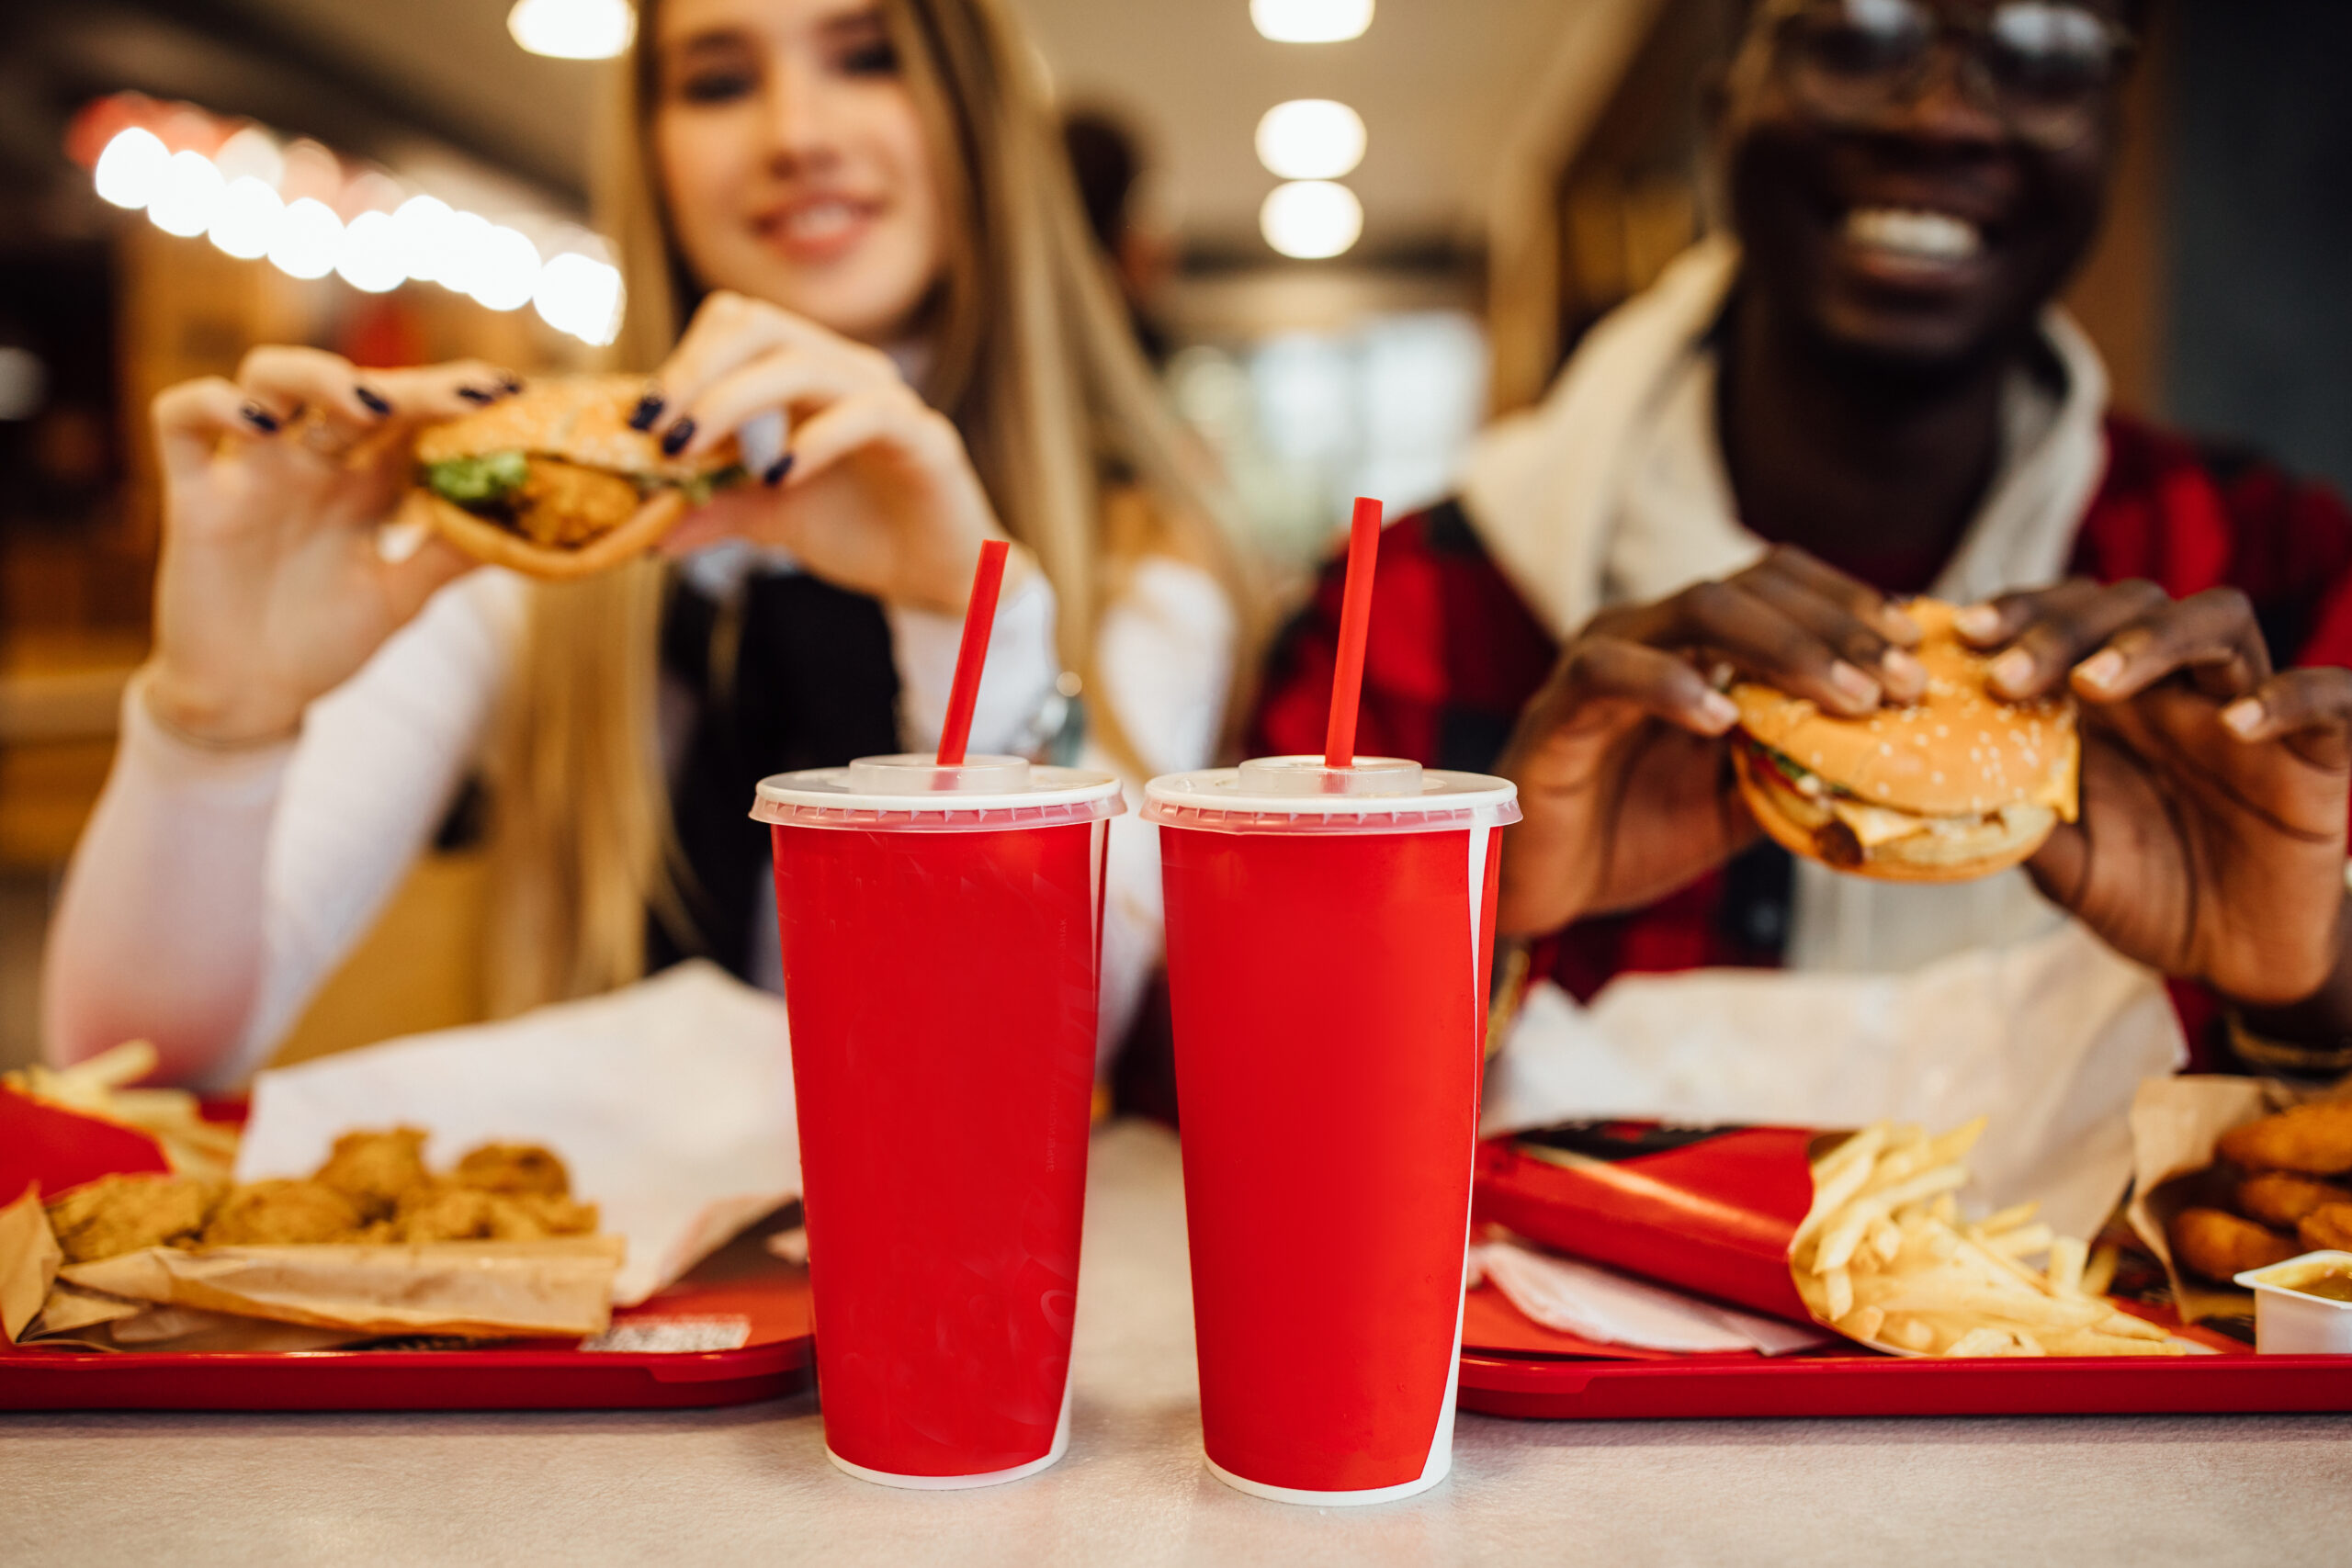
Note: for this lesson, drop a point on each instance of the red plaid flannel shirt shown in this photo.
(1454, 654)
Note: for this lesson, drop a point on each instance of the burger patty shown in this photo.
(1848, 832)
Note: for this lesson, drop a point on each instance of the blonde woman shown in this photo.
(850, 212)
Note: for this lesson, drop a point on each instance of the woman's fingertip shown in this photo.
(673, 441)
(649, 409)
(477, 396)
(2246, 717)
(374, 401)
(777, 470)
(260, 418)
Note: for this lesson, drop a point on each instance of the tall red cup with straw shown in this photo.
(1329, 931)
(941, 920)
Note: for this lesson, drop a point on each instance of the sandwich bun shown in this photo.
(1958, 786)
(582, 421)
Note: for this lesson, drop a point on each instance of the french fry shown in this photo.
(1863, 1322)
(2066, 1270)
(2099, 1272)
(1986, 1341)
(2007, 1219)
(1839, 1286)
(2021, 1242)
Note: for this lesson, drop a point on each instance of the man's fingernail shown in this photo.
(648, 409)
(2245, 716)
(1904, 669)
(674, 442)
(377, 402)
(1898, 624)
(777, 469)
(2013, 669)
(1853, 683)
(260, 418)
(2101, 668)
(1720, 711)
(476, 395)
(1978, 621)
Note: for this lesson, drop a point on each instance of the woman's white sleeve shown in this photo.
(1164, 661)
(1021, 669)
(211, 894)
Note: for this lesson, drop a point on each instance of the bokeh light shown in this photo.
(1310, 139)
(131, 170)
(1311, 219)
(1311, 21)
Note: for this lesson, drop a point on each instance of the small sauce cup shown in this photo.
(2303, 1307)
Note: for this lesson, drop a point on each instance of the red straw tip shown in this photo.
(1355, 622)
(979, 620)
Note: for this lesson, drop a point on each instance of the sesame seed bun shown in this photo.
(581, 419)
(498, 545)
(1958, 786)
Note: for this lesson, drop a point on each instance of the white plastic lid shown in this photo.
(1302, 795)
(911, 793)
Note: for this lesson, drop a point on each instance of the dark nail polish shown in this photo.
(377, 402)
(674, 442)
(648, 409)
(777, 469)
(476, 395)
(512, 382)
(260, 418)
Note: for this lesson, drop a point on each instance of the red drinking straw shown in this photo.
(1355, 620)
(979, 620)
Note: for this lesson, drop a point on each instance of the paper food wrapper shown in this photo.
(1607, 1308)
(2176, 1125)
(29, 1262)
(476, 1289)
(670, 1102)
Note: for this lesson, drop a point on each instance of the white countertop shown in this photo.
(751, 1485)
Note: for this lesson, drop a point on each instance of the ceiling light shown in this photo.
(582, 296)
(308, 238)
(572, 29)
(1311, 219)
(251, 152)
(1311, 21)
(131, 168)
(370, 259)
(188, 196)
(1310, 139)
(505, 269)
(246, 223)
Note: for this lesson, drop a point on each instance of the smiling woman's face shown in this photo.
(794, 159)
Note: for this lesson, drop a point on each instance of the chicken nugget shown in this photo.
(373, 1169)
(2315, 1139)
(2327, 1229)
(558, 1217)
(116, 1215)
(2281, 1197)
(2216, 1245)
(514, 1167)
(283, 1213)
(451, 1212)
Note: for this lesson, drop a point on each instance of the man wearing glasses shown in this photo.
(1862, 391)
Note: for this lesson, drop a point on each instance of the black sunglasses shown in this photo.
(2043, 67)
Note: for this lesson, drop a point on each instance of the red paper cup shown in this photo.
(942, 934)
(1328, 955)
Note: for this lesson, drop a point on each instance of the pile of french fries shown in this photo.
(1886, 1257)
(94, 1086)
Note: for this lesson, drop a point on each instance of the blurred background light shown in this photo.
(421, 230)
(251, 153)
(505, 269)
(247, 224)
(308, 238)
(188, 196)
(24, 383)
(580, 294)
(1311, 219)
(572, 29)
(1311, 21)
(1310, 139)
(131, 168)
(370, 259)
(458, 252)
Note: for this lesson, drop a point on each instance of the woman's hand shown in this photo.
(875, 491)
(1619, 760)
(2211, 841)
(270, 590)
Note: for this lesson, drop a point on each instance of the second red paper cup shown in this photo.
(941, 935)
(1330, 936)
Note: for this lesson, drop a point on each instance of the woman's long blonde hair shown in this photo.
(1033, 358)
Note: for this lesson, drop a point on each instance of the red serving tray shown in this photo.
(1513, 1366)
(740, 1281)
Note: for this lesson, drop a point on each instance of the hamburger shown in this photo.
(553, 482)
(1958, 786)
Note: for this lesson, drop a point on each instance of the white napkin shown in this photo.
(1593, 1303)
(671, 1102)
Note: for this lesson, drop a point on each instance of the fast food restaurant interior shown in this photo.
(495, 489)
